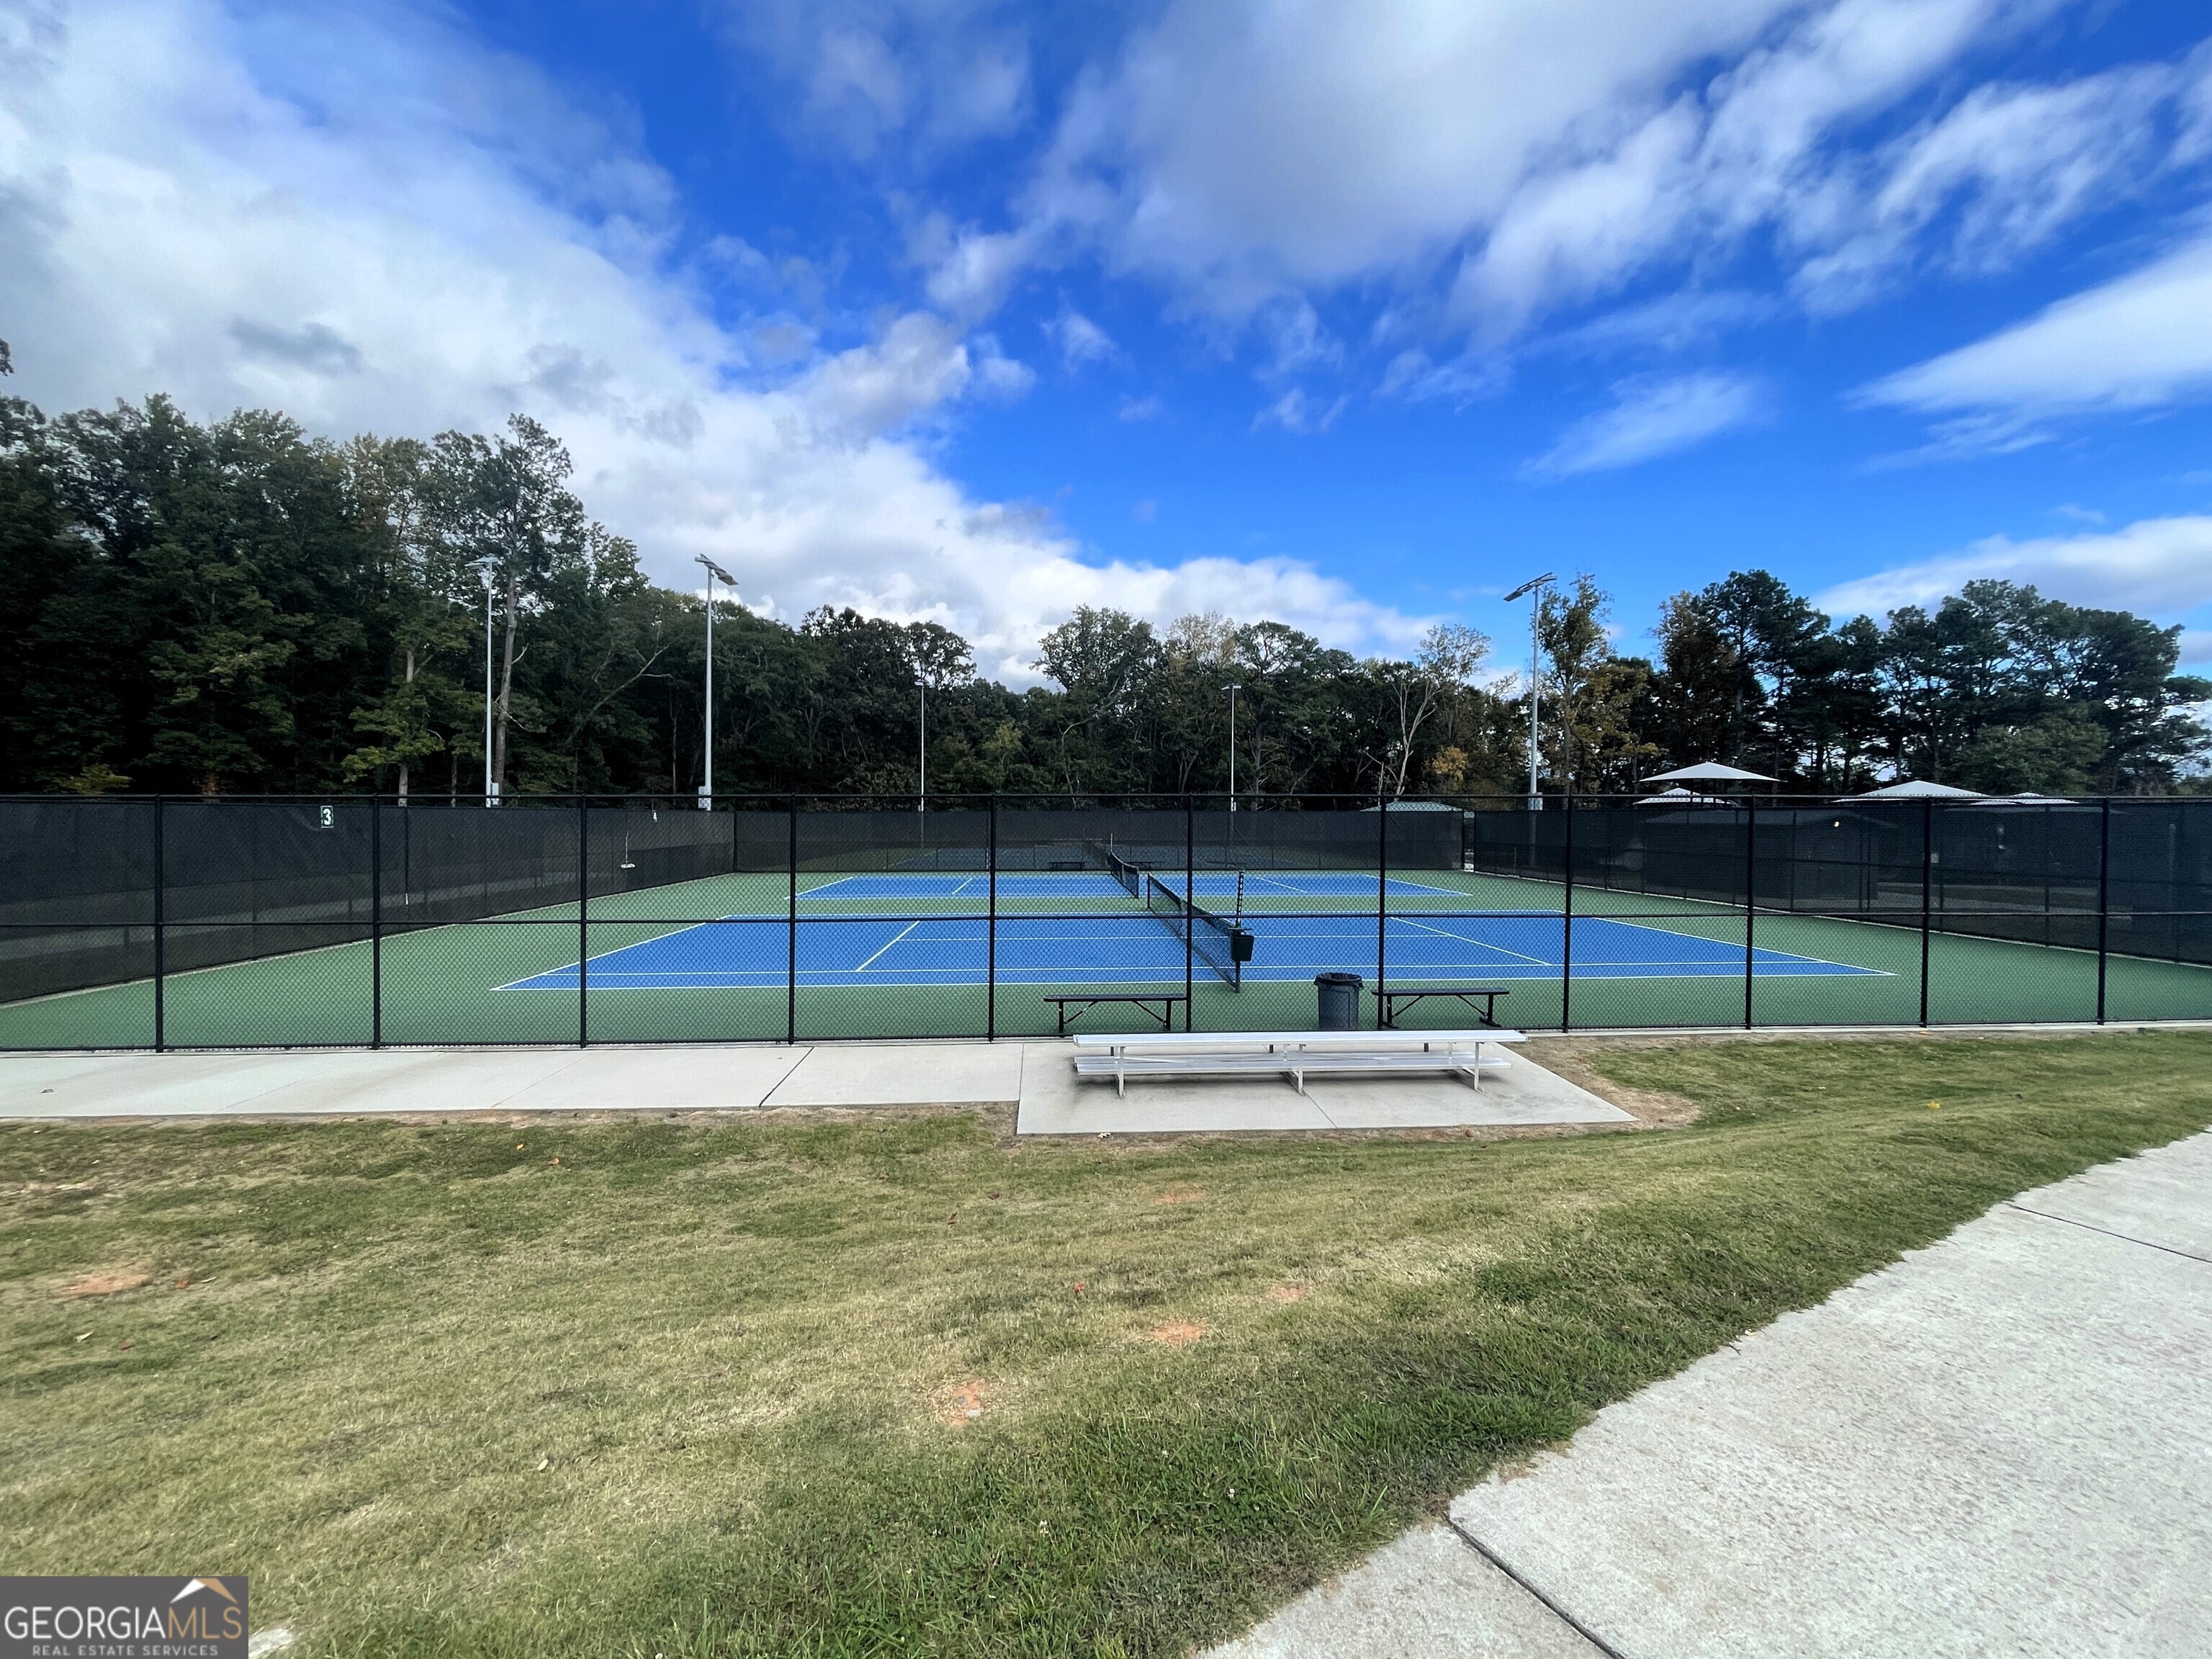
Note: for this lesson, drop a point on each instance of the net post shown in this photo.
(583, 924)
(791, 960)
(1189, 901)
(1567, 915)
(375, 922)
(1750, 897)
(1927, 895)
(1382, 896)
(991, 926)
(2104, 896)
(160, 929)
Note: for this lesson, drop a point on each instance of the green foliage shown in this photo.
(1997, 689)
(240, 607)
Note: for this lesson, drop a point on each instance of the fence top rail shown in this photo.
(1107, 801)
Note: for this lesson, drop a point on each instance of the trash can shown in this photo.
(1339, 1000)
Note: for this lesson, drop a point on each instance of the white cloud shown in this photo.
(1140, 409)
(1246, 147)
(1650, 418)
(971, 270)
(2157, 566)
(1082, 342)
(365, 219)
(2007, 167)
(912, 79)
(2136, 343)
(919, 362)
(1297, 412)
(1251, 153)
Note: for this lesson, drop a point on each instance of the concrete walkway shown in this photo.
(1036, 1079)
(2000, 1445)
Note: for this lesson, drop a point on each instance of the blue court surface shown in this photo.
(1095, 884)
(1137, 949)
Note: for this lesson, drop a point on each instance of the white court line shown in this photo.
(869, 962)
(1462, 938)
(1758, 949)
(602, 956)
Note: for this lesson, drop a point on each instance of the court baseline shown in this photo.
(739, 952)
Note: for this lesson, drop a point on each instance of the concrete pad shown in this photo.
(1426, 1596)
(23, 1078)
(163, 1085)
(905, 1074)
(344, 1081)
(2001, 1445)
(1053, 1101)
(674, 1079)
(2157, 1199)
(1524, 1093)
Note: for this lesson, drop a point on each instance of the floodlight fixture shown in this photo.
(1535, 674)
(706, 771)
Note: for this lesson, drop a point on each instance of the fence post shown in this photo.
(1750, 897)
(1567, 914)
(1381, 899)
(583, 925)
(1927, 894)
(991, 928)
(375, 923)
(1189, 901)
(2104, 895)
(161, 930)
(791, 969)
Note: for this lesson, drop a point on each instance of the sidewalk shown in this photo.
(2000, 1445)
(1036, 1080)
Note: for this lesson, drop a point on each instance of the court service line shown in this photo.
(864, 967)
(1481, 944)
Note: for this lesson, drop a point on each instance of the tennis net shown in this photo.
(1220, 944)
(1122, 870)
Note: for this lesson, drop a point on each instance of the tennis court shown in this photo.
(136, 924)
(1108, 948)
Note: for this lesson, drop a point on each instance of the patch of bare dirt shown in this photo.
(111, 1283)
(1176, 1334)
(1571, 1058)
(1287, 1293)
(963, 1403)
(1179, 1195)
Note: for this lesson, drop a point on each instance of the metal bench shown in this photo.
(1292, 1054)
(1084, 1001)
(1396, 999)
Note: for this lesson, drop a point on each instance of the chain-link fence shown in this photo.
(129, 923)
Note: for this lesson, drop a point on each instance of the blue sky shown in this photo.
(1354, 315)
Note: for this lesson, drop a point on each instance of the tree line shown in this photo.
(236, 606)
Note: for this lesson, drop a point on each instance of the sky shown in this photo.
(1353, 314)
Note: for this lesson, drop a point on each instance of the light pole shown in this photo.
(1233, 690)
(921, 798)
(488, 570)
(707, 781)
(1535, 673)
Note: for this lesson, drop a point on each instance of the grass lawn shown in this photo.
(793, 1385)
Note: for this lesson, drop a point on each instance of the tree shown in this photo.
(501, 504)
(1446, 664)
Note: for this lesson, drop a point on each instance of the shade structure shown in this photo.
(1917, 789)
(1709, 772)
(1681, 797)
